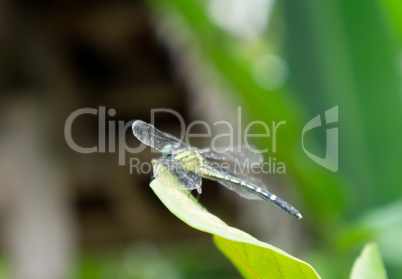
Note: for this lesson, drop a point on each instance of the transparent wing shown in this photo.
(240, 189)
(188, 180)
(241, 154)
(159, 140)
(241, 192)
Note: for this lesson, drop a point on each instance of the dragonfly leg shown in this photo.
(196, 197)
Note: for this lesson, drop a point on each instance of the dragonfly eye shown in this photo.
(166, 150)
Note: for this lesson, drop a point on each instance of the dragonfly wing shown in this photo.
(240, 191)
(251, 179)
(241, 154)
(188, 180)
(151, 136)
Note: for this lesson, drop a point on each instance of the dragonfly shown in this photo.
(189, 165)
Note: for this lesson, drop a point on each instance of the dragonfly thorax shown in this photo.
(190, 159)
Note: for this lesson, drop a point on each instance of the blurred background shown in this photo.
(64, 214)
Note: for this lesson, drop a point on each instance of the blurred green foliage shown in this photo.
(337, 53)
(145, 260)
(3, 269)
(369, 264)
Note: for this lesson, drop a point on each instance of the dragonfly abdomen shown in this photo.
(212, 174)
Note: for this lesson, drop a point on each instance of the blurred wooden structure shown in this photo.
(56, 57)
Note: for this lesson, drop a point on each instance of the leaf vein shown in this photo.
(276, 262)
(240, 258)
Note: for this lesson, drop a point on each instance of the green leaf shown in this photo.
(381, 225)
(369, 264)
(253, 258)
